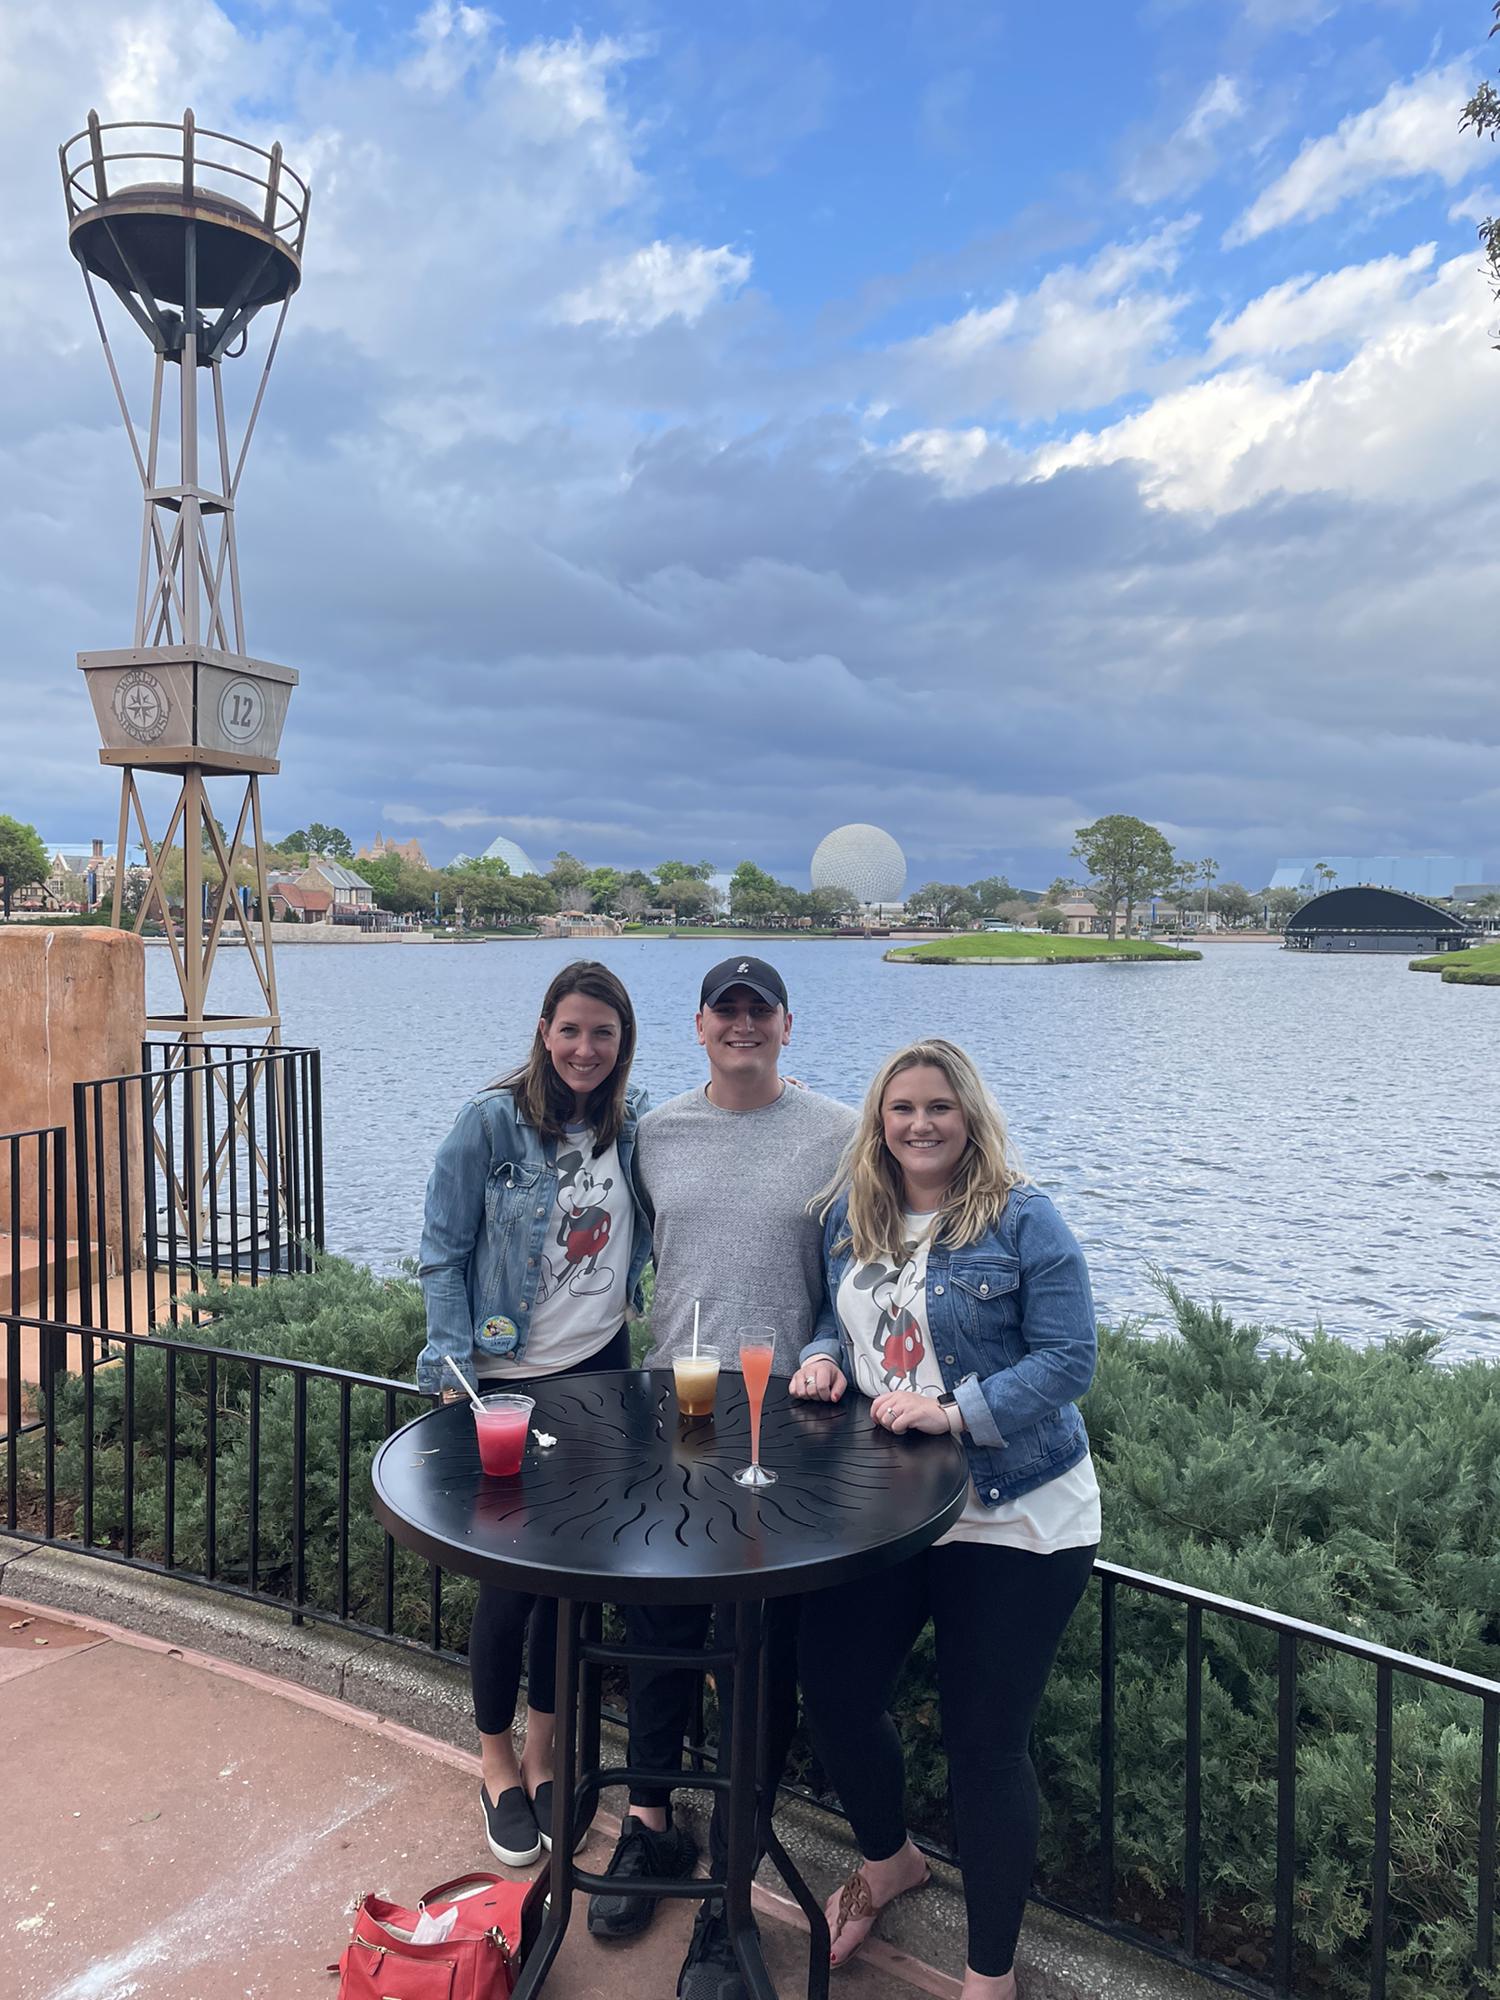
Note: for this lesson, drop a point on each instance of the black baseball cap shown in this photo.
(761, 978)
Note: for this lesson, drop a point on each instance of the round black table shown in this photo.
(634, 1504)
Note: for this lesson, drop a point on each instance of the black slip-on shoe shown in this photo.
(541, 1808)
(710, 1970)
(639, 1852)
(510, 1827)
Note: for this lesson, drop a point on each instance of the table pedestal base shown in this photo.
(581, 1658)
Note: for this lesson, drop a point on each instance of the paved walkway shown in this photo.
(179, 1829)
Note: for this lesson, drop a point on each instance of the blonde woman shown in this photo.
(963, 1308)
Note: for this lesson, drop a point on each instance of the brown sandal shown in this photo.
(858, 1906)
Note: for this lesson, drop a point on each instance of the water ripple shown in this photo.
(1293, 1136)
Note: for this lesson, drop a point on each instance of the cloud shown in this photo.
(667, 577)
(1083, 336)
(1411, 414)
(1312, 311)
(1189, 154)
(657, 282)
(1412, 132)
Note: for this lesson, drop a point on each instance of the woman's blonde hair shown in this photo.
(986, 1172)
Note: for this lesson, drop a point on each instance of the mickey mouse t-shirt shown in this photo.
(883, 1311)
(586, 1242)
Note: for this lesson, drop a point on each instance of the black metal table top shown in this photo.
(636, 1505)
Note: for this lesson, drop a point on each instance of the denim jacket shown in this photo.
(492, 1189)
(1011, 1320)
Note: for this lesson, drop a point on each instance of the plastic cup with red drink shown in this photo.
(501, 1426)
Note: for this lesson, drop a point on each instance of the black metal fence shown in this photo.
(248, 1474)
(34, 1215)
(37, 1263)
(206, 1163)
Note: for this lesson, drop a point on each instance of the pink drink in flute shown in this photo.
(757, 1346)
(501, 1427)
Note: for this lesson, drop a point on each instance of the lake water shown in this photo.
(1302, 1138)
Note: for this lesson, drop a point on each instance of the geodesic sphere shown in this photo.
(862, 859)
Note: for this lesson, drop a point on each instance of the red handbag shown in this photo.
(476, 1961)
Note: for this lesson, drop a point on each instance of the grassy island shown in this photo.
(1478, 966)
(1029, 948)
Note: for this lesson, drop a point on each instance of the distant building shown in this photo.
(409, 851)
(80, 876)
(1418, 875)
(516, 859)
(862, 860)
(352, 895)
(1080, 918)
(292, 903)
(1369, 919)
(579, 923)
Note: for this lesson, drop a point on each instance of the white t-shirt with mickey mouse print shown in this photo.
(580, 1297)
(883, 1312)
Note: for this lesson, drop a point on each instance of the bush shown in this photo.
(1355, 1488)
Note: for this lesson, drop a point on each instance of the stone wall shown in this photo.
(72, 1008)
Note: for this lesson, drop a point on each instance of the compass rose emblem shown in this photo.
(141, 705)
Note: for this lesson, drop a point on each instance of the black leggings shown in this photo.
(997, 1615)
(506, 1620)
(663, 1700)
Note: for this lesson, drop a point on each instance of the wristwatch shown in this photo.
(948, 1400)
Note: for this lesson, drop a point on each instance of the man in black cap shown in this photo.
(728, 1172)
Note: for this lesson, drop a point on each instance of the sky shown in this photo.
(702, 426)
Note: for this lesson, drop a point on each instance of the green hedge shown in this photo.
(1355, 1488)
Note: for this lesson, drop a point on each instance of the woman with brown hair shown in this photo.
(964, 1309)
(533, 1244)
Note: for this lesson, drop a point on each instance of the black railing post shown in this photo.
(317, 1148)
(1192, 1833)
(1107, 1745)
(1380, 1862)
(1284, 1942)
(1489, 1769)
(299, 1492)
(81, 1204)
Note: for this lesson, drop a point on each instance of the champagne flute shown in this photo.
(757, 1346)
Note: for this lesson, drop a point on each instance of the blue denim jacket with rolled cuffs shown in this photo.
(1011, 1320)
(492, 1188)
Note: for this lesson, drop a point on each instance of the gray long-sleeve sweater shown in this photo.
(729, 1193)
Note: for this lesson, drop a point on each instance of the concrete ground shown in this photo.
(180, 1828)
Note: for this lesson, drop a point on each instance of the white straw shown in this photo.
(473, 1398)
(695, 1329)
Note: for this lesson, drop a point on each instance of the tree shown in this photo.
(1279, 904)
(1180, 885)
(1326, 876)
(1127, 860)
(23, 859)
(397, 884)
(754, 895)
(1481, 116)
(603, 885)
(684, 871)
(990, 892)
(830, 905)
(688, 898)
(330, 841)
(1233, 902)
(1062, 889)
(567, 875)
(1048, 917)
(947, 903)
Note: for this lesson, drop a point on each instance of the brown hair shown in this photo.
(542, 1098)
(975, 1198)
